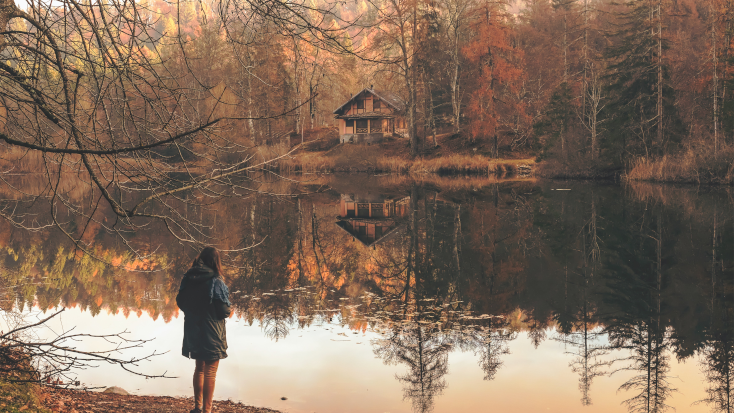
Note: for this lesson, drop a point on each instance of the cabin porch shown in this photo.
(354, 129)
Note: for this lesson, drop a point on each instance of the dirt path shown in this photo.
(74, 401)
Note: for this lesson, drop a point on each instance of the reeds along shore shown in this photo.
(453, 165)
(358, 158)
(690, 167)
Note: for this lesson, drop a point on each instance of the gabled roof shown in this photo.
(395, 229)
(392, 99)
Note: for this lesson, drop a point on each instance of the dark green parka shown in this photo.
(204, 299)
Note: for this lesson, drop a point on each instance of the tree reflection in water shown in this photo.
(491, 343)
(638, 299)
(634, 276)
(577, 323)
(718, 351)
(423, 271)
(424, 350)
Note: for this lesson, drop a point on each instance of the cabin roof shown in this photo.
(392, 99)
(389, 234)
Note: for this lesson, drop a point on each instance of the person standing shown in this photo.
(204, 299)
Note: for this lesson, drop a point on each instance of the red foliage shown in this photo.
(498, 68)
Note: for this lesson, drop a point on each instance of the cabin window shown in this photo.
(362, 126)
(350, 209)
(350, 124)
(363, 210)
(376, 104)
(360, 104)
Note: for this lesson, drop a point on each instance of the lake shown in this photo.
(387, 294)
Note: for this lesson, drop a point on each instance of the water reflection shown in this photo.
(371, 219)
(627, 278)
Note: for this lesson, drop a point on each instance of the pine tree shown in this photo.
(727, 104)
(553, 127)
(641, 113)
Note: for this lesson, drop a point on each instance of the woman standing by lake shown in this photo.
(204, 299)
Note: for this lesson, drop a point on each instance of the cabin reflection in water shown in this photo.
(371, 219)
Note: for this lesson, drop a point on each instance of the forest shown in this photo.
(132, 133)
(591, 88)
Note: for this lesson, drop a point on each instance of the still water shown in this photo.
(383, 294)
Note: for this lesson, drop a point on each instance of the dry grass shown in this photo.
(306, 163)
(362, 158)
(693, 166)
(469, 165)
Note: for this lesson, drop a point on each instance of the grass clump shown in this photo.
(692, 166)
(461, 164)
(384, 159)
(18, 397)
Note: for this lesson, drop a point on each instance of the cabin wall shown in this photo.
(368, 105)
(375, 129)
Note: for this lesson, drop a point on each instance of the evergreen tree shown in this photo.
(641, 114)
(727, 106)
(552, 129)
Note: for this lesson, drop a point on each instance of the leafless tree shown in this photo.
(96, 94)
(27, 356)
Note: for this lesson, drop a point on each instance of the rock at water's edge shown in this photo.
(116, 390)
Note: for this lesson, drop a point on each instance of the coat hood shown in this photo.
(202, 275)
(199, 272)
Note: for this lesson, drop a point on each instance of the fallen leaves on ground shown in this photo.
(79, 401)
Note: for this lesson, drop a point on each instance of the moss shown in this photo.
(20, 397)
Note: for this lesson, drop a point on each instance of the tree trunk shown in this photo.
(714, 18)
(7, 11)
(713, 262)
(457, 240)
(413, 132)
(430, 118)
(455, 87)
(660, 73)
(585, 85)
(565, 46)
(727, 44)
(250, 101)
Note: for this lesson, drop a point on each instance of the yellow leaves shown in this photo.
(169, 26)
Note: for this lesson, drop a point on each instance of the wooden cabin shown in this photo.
(371, 115)
(371, 220)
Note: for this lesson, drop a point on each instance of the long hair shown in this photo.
(209, 256)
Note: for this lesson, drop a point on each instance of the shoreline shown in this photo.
(454, 156)
(69, 401)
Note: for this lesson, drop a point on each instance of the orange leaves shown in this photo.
(144, 264)
(497, 65)
(116, 261)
